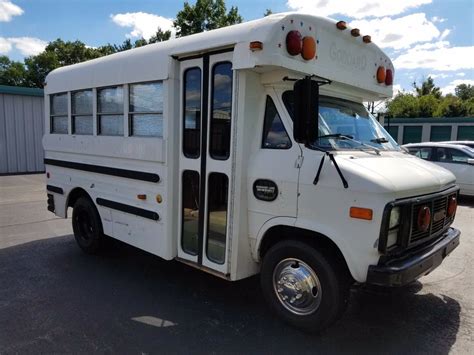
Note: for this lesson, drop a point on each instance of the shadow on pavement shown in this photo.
(54, 298)
(467, 201)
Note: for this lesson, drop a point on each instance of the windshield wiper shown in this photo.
(379, 140)
(349, 138)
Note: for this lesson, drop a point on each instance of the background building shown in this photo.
(21, 130)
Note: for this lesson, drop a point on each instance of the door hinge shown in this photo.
(299, 162)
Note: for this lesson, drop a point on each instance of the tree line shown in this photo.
(426, 100)
(204, 15)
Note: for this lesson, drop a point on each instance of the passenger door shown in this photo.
(205, 160)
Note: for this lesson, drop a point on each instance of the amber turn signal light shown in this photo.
(309, 48)
(341, 25)
(367, 39)
(141, 196)
(256, 46)
(381, 74)
(361, 213)
(355, 32)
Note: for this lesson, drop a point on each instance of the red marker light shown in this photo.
(424, 219)
(294, 42)
(388, 77)
(452, 206)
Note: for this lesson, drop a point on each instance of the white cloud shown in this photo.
(440, 76)
(355, 8)
(5, 46)
(438, 19)
(440, 59)
(449, 89)
(8, 10)
(26, 45)
(461, 74)
(143, 24)
(399, 32)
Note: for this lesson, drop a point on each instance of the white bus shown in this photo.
(248, 150)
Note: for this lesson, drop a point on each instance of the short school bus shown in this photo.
(248, 150)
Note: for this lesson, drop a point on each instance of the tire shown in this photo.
(317, 303)
(87, 226)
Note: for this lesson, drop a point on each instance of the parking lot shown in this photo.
(55, 299)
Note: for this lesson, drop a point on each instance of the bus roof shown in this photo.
(341, 57)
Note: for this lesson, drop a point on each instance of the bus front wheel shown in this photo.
(302, 286)
(87, 226)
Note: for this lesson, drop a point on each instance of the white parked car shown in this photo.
(470, 144)
(457, 158)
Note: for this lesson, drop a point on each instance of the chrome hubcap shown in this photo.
(297, 286)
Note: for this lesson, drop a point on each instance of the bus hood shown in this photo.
(402, 174)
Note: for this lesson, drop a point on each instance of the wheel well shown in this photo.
(75, 194)
(318, 241)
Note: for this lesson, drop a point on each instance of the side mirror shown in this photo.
(306, 111)
(470, 161)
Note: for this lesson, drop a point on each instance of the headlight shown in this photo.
(392, 238)
(394, 218)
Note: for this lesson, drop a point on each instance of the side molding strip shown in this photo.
(129, 174)
(128, 209)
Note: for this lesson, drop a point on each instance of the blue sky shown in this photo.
(423, 37)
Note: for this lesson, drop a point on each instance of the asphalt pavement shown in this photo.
(55, 299)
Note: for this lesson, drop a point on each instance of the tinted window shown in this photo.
(82, 121)
(59, 113)
(192, 113)
(110, 111)
(449, 155)
(146, 109)
(221, 111)
(274, 133)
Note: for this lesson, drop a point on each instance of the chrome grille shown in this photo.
(439, 220)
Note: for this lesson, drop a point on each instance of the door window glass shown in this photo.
(190, 212)
(221, 111)
(448, 155)
(217, 217)
(274, 133)
(424, 153)
(192, 113)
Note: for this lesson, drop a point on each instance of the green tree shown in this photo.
(204, 15)
(464, 91)
(12, 73)
(268, 12)
(403, 105)
(160, 36)
(427, 105)
(450, 106)
(427, 88)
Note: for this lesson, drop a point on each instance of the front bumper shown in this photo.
(400, 272)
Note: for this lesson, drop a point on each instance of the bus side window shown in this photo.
(192, 113)
(110, 111)
(82, 121)
(221, 111)
(146, 109)
(59, 114)
(274, 133)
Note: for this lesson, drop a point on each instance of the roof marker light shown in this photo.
(367, 39)
(341, 25)
(256, 46)
(294, 42)
(309, 48)
(355, 32)
(381, 74)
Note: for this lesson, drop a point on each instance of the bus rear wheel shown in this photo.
(87, 226)
(302, 286)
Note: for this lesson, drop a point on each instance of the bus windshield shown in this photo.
(346, 125)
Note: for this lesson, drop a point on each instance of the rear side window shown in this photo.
(274, 133)
(146, 109)
(59, 113)
(449, 155)
(110, 111)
